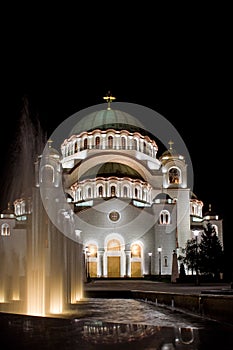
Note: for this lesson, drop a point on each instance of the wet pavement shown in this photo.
(109, 323)
(114, 324)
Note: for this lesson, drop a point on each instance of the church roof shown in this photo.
(9, 212)
(170, 153)
(107, 119)
(111, 169)
(162, 196)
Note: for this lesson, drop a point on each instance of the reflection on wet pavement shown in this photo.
(114, 324)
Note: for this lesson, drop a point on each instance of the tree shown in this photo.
(211, 255)
(190, 258)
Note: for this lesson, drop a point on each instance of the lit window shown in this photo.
(113, 191)
(136, 251)
(125, 191)
(123, 142)
(110, 141)
(97, 142)
(5, 230)
(174, 176)
(100, 190)
(164, 218)
(114, 245)
(92, 249)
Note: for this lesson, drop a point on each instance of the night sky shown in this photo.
(182, 71)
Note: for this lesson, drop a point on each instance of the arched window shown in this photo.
(113, 191)
(135, 251)
(76, 147)
(5, 230)
(85, 143)
(144, 147)
(47, 174)
(89, 192)
(123, 142)
(135, 144)
(100, 191)
(110, 142)
(165, 261)
(114, 244)
(125, 191)
(174, 176)
(145, 194)
(164, 218)
(92, 249)
(136, 193)
(97, 142)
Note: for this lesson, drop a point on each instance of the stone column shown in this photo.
(127, 263)
(100, 272)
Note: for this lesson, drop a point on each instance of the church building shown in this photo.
(133, 204)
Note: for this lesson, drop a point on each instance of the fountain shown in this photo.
(41, 269)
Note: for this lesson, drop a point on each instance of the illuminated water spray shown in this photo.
(41, 268)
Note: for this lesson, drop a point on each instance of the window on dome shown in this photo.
(125, 191)
(97, 142)
(113, 191)
(85, 143)
(76, 147)
(100, 191)
(144, 147)
(164, 218)
(5, 230)
(123, 143)
(89, 192)
(135, 144)
(174, 176)
(110, 142)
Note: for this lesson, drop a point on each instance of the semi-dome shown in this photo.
(111, 169)
(107, 119)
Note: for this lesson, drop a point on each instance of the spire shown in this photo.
(109, 98)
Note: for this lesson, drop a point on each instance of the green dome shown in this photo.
(107, 119)
(111, 169)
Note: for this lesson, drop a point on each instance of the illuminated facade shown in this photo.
(134, 207)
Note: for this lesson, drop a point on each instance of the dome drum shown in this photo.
(110, 139)
(100, 187)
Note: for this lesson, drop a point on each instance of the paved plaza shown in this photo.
(146, 285)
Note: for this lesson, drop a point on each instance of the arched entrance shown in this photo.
(114, 256)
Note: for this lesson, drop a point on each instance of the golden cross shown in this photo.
(170, 144)
(109, 98)
(50, 143)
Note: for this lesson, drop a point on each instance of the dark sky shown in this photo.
(180, 67)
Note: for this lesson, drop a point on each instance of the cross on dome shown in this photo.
(50, 143)
(170, 144)
(109, 98)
